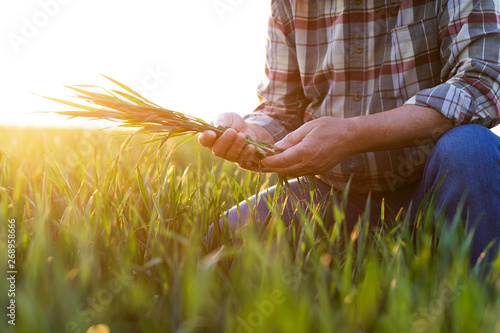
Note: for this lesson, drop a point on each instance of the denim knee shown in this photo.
(467, 152)
(468, 159)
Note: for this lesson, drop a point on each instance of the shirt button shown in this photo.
(358, 49)
(357, 97)
(358, 2)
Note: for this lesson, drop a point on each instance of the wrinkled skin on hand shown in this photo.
(312, 149)
(315, 147)
(230, 145)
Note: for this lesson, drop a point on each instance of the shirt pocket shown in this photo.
(415, 57)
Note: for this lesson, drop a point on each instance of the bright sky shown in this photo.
(200, 57)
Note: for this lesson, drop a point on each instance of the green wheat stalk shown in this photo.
(130, 109)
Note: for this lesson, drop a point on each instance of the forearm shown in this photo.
(320, 144)
(406, 126)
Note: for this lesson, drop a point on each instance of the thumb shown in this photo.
(231, 119)
(291, 139)
(223, 119)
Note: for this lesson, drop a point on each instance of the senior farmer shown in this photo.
(393, 95)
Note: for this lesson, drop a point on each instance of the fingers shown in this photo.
(230, 119)
(293, 162)
(284, 160)
(207, 139)
(248, 154)
(297, 170)
(292, 156)
(222, 145)
(223, 119)
(230, 145)
(253, 166)
(249, 165)
(291, 139)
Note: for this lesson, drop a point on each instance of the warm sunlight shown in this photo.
(333, 208)
(199, 57)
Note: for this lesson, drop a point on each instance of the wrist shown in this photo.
(353, 136)
(405, 126)
(259, 133)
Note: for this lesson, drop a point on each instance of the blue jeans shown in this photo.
(466, 157)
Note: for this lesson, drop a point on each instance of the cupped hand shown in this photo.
(231, 144)
(314, 148)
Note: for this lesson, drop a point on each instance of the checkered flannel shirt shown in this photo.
(344, 59)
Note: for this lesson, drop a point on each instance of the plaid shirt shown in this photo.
(348, 58)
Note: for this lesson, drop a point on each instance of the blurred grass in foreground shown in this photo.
(119, 242)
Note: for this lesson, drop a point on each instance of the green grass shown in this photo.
(119, 242)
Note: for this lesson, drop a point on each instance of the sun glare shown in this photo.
(199, 57)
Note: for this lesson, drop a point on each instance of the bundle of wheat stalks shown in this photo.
(130, 109)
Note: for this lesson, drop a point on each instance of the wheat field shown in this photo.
(112, 236)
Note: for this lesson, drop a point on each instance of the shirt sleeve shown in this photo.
(281, 94)
(469, 33)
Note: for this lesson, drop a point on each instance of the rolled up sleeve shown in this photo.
(470, 53)
(281, 94)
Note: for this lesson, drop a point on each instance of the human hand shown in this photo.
(231, 144)
(315, 147)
